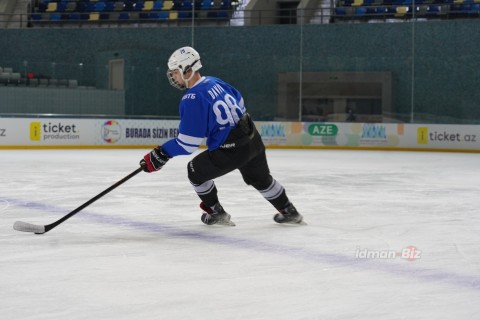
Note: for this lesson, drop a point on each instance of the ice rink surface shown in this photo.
(390, 235)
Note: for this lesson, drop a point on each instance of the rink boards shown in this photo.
(139, 133)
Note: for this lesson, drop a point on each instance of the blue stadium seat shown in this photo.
(100, 6)
(206, 4)
(109, 6)
(163, 15)
(55, 16)
(433, 10)
(158, 15)
(36, 16)
(226, 4)
(474, 9)
(360, 11)
(90, 6)
(158, 5)
(139, 5)
(456, 8)
(175, 9)
(124, 16)
(61, 7)
(340, 11)
(380, 12)
(187, 5)
(184, 15)
(75, 16)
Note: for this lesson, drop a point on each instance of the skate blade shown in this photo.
(292, 223)
(226, 223)
(282, 221)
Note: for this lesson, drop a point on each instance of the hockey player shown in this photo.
(214, 109)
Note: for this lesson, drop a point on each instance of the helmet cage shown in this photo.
(182, 72)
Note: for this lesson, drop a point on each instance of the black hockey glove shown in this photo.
(154, 160)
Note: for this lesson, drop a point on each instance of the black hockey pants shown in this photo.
(243, 150)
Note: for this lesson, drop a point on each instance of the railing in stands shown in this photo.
(344, 12)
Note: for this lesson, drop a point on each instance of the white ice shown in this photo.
(141, 252)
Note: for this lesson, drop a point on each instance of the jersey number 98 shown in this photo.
(227, 111)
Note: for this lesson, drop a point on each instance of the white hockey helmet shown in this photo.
(184, 60)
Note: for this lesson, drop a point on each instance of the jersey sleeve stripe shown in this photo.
(189, 149)
(189, 139)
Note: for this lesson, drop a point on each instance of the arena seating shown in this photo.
(65, 11)
(10, 78)
(356, 10)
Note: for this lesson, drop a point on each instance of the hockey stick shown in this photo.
(28, 227)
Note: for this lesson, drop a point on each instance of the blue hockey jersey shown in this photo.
(210, 109)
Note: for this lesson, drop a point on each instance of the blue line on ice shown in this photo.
(404, 270)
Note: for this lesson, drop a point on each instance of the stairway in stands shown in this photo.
(19, 19)
(322, 14)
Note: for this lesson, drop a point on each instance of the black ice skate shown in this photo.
(215, 216)
(289, 215)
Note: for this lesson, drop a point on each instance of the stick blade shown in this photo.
(28, 227)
